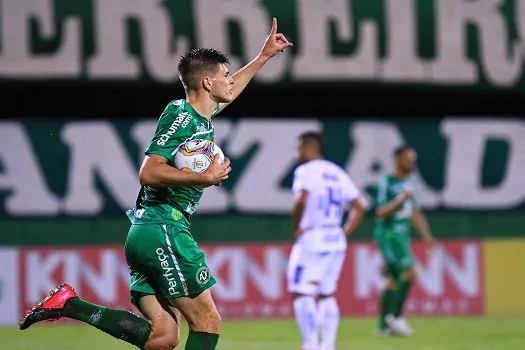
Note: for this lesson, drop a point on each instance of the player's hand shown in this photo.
(217, 172)
(403, 196)
(275, 42)
(432, 246)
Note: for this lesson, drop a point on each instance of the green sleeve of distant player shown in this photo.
(172, 129)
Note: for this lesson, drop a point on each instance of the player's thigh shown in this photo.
(406, 261)
(165, 320)
(167, 261)
(294, 268)
(391, 255)
(140, 241)
(305, 270)
(330, 279)
(200, 312)
(189, 261)
(387, 249)
(404, 257)
(153, 270)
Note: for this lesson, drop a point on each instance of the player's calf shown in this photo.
(64, 302)
(165, 320)
(328, 316)
(387, 303)
(307, 319)
(203, 320)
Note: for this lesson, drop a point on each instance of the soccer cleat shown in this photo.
(50, 308)
(398, 326)
(402, 324)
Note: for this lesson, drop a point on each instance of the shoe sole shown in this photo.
(23, 324)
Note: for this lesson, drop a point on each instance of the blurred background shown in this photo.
(83, 82)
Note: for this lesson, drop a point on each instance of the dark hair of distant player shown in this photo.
(197, 62)
(313, 138)
(399, 150)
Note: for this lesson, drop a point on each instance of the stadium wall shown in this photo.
(82, 175)
(464, 277)
(64, 186)
(225, 228)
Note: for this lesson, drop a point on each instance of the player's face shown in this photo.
(221, 88)
(407, 160)
(303, 151)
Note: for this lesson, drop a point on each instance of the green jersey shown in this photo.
(399, 223)
(178, 124)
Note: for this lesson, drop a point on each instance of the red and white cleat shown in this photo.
(50, 308)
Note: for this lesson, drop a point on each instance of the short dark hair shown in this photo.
(399, 150)
(196, 62)
(314, 137)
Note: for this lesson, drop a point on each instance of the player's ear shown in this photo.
(206, 83)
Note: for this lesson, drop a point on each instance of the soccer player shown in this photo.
(396, 211)
(169, 276)
(323, 192)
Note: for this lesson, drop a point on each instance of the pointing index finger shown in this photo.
(274, 26)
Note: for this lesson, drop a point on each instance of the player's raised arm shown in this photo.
(155, 171)
(275, 42)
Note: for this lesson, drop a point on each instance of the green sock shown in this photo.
(119, 323)
(387, 300)
(201, 341)
(403, 289)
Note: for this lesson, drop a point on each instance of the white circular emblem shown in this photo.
(203, 275)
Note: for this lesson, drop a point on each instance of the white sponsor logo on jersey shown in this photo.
(182, 120)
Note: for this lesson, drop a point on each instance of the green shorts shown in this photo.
(165, 260)
(396, 253)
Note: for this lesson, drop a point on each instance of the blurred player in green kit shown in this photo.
(169, 275)
(396, 211)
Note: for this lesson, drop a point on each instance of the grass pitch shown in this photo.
(486, 333)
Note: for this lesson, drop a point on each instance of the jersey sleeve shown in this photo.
(302, 180)
(170, 133)
(382, 191)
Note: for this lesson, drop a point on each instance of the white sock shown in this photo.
(305, 308)
(328, 322)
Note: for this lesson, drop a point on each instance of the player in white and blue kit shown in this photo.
(323, 192)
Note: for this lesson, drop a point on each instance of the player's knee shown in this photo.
(209, 322)
(410, 275)
(167, 341)
(165, 335)
(390, 284)
(214, 322)
(324, 296)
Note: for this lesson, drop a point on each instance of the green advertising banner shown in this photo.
(60, 168)
(460, 43)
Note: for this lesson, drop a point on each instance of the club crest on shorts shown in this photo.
(203, 275)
